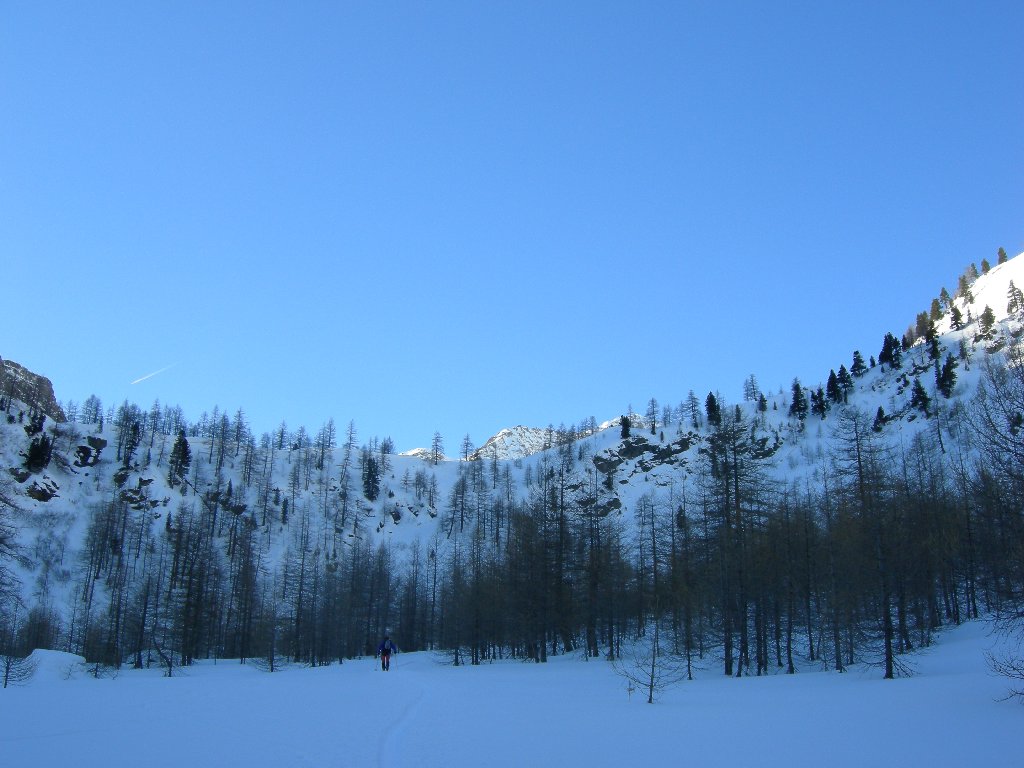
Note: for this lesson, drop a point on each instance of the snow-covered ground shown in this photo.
(567, 712)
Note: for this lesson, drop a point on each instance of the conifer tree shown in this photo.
(945, 298)
(879, 419)
(932, 340)
(919, 397)
(987, 321)
(1001, 256)
(371, 475)
(819, 402)
(921, 326)
(891, 352)
(964, 289)
(798, 404)
(832, 388)
(180, 460)
(945, 378)
(712, 410)
(40, 451)
(845, 382)
(858, 369)
(1015, 299)
(956, 318)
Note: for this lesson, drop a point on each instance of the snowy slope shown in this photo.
(424, 713)
(515, 443)
(56, 503)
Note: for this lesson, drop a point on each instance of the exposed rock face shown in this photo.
(42, 491)
(89, 455)
(646, 455)
(18, 382)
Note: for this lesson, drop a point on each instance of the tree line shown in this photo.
(731, 565)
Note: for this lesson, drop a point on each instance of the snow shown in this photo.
(569, 711)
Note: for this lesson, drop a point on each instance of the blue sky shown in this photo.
(461, 216)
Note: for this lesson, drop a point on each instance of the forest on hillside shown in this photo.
(739, 567)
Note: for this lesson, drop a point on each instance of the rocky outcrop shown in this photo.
(647, 455)
(42, 491)
(19, 383)
(89, 455)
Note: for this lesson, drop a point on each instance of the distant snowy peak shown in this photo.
(421, 453)
(635, 420)
(515, 443)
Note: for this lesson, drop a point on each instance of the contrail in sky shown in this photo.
(154, 373)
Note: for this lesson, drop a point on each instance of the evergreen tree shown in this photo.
(180, 460)
(798, 404)
(963, 289)
(1015, 300)
(624, 427)
(921, 326)
(858, 369)
(1001, 256)
(987, 322)
(371, 476)
(891, 352)
(945, 299)
(985, 266)
(919, 397)
(932, 341)
(956, 319)
(40, 451)
(819, 402)
(879, 420)
(945, 378)
(832, 388)
(845, 382)
(714, 413)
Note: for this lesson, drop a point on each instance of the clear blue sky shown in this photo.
(461, 216)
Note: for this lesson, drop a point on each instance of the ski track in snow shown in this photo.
(390, 751)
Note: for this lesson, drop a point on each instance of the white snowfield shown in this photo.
(569, 712)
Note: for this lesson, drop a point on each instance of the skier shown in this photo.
(384, 650)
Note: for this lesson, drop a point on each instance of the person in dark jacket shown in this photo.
(384, 650)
